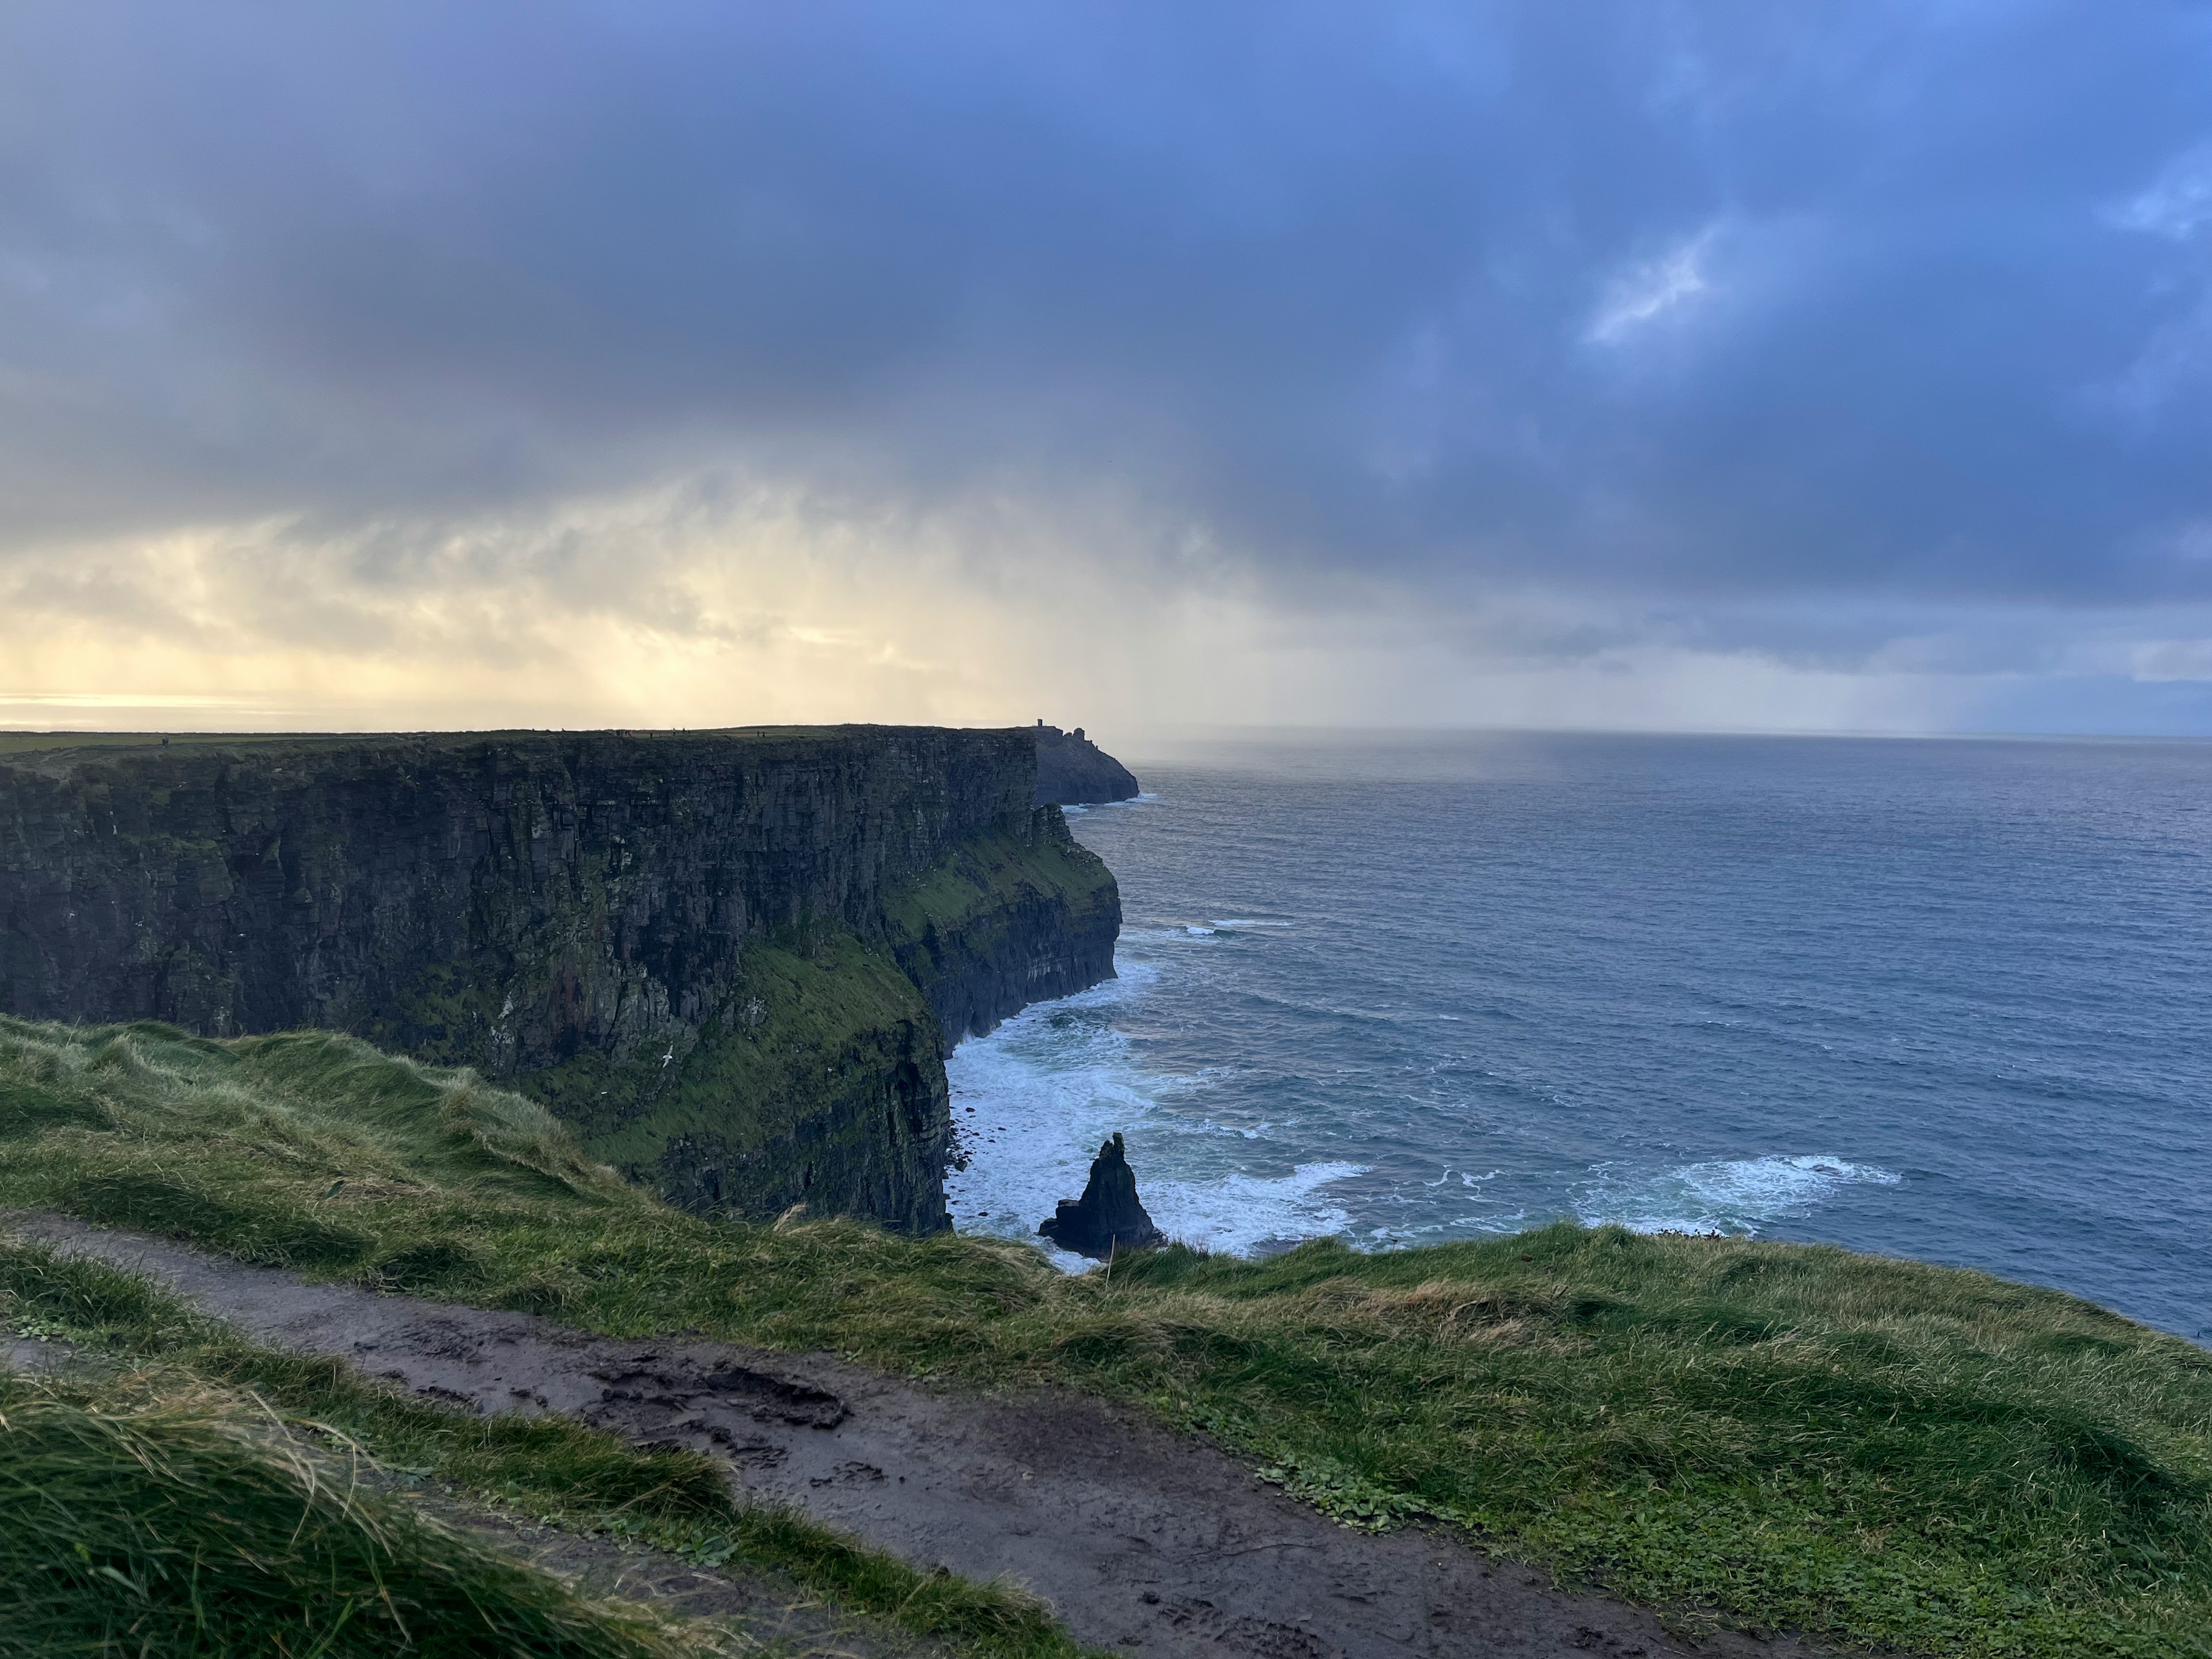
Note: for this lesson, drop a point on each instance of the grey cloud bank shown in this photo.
(1694, 321)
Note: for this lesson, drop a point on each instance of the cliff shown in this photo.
(1004, 921)
(1073, 771)
(732, 960)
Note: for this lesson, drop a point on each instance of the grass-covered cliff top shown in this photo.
(1881, 1452)
(26, 743)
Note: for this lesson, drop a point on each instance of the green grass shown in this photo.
(1876, 1451)
(168, 1520)
(991, 880)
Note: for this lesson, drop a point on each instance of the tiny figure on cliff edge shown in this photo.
(1107, 1217)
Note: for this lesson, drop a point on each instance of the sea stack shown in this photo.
(1107, 1217)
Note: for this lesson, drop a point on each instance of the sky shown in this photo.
(1611, 363)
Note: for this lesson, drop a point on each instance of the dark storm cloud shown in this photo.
(1696, 300)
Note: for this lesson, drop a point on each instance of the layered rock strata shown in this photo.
(733, 960)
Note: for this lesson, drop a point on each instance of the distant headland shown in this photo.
(1074, 771)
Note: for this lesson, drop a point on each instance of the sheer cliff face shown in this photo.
(689, 944)
(1004, 921)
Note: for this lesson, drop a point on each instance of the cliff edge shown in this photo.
(733, 960)
(1074, 771)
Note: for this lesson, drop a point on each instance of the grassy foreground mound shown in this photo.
(1881, 1452)
(173, 1522)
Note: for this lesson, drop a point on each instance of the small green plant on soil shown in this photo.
(1878, 1452)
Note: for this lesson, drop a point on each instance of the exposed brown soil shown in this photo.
(1140, 1541)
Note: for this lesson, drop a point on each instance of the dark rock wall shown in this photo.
(821, 1081)
(1006, 921)
(1074, 771)
(570, 914)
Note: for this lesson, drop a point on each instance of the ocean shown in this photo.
(1940, 998)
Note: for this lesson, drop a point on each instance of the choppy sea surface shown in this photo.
(1948, 1000)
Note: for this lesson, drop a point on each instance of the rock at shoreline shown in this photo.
(1107, 1217)
(1074, 771)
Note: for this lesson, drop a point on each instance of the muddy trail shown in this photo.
(1140, 1541)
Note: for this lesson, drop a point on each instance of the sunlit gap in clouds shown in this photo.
(735, 622)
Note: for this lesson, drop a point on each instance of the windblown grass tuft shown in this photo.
(1877, 1451)
(174, 1523)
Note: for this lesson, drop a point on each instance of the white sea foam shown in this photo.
(1245, 921)
(1729, 1196)
(1032, 1101)
(1242, 1132)
(1234, 1212)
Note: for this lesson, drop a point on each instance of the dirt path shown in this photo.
(1140, 1541)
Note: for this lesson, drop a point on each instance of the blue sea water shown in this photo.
(1948, 1000)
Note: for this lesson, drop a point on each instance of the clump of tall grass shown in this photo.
(172, 1522)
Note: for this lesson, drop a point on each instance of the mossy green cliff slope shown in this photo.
(733, 960)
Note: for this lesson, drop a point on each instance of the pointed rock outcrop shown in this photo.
(1107, 1217)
